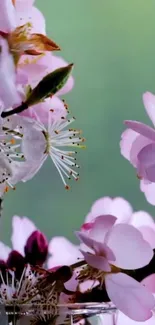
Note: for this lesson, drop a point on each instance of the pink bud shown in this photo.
(36, 248)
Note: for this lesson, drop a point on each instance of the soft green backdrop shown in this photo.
(112, 43)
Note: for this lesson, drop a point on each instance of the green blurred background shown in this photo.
(112, 43)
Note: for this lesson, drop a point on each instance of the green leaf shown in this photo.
(49, 85)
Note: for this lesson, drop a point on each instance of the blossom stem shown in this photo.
(15, 110)
(78, 264)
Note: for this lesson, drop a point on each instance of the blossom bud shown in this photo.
(36, 248)
(49, 85)
(63, 273)
(17, 262)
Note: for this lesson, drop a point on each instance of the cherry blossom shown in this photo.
(138, 146)
(123, 211)
(48, 141)
(109, 243)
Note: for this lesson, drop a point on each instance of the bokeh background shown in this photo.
(112, 43)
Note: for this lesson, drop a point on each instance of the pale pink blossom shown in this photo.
(117, 206)
(138, 146)
(112, 246)
(45, 140)
(124, 213)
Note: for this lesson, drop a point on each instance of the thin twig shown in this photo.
(15, 110)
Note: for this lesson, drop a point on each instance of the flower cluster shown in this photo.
(114, 263)
(34, 121)
(102, 268)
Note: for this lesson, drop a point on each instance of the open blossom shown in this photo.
(110, 251)
(42, 140)
(138, 146)
(17, 12)
(124, 213)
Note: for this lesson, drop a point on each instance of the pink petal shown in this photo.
(4, 251)
(146, 162)
(22, 228)
(22, 5)
(53, 109)
(98, 247)
(149, 282)
(33, 16)
(124, 320)
(98, 262)
(21, 78)
(148, 234)
(100, 227)
(137, 146)
(52, 63)
(149, 191)
(124, 240)
(129, 296)
(8, 16)
(149, 103)
(127, 139)
(86, 226)
(87, 285)
(103, 250)
(63, 252)
(8, 90)
(142, 129)
(84, 238)
(142, 218)
(32, 70)
(118, 207)
(31, 151)
(72, 283)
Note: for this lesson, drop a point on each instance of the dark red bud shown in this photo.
(17, 262)
(36, 249)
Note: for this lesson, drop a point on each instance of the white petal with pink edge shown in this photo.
(22, 228)
(63, 252)
(4, 251)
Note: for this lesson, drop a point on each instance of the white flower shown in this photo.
(13, 168)
(40, 141)
(13, 291)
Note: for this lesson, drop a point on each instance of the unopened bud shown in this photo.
(49, 85)
(17, 262)
(36, 248)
